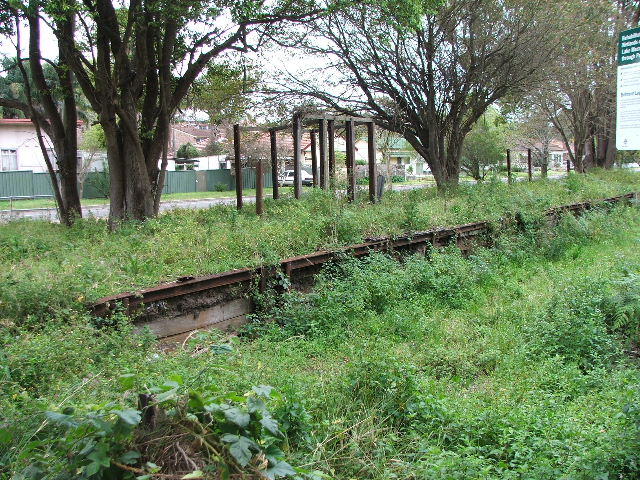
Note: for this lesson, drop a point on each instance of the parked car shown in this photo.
(286, 179)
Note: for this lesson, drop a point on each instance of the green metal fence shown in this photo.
(16, 184)
(96, 184)
(42, 184)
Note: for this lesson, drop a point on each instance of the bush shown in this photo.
(574, 327)
(187, 151)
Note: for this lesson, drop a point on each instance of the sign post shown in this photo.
(628, 96)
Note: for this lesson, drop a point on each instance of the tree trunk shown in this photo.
(589, 154)
(442, 156)
(61, 127)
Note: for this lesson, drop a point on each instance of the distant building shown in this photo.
(558, 154)
(20, 149)
(197, 134)
(401, 154)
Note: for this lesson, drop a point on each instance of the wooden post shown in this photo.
(238, 165)
(371, 144)
(274, 164)
(314, 158)
(259, 190)
(568, 163)
(508, 165)
(331, 133)
(529, 164)
(324, 170)
(297, 133)
(351, 154)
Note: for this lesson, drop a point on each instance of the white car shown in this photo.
(286, 179)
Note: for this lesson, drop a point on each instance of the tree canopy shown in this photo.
(432, 75)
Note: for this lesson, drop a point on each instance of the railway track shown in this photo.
(175, 309)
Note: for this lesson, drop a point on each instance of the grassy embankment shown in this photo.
(519, 362)
(47, 267)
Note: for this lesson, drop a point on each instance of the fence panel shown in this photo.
(180, 182)
(42, 184)
(219, 180)
(16, 184)
(249, 178)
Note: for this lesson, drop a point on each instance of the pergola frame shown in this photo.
(323, 162)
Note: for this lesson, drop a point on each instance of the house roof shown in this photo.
(14, 121)
(24, 121)
(198, 130)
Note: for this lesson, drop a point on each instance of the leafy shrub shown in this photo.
(187, 151)
(395, 390)
(574, 327)
(223, 433)
(622, 308)
(220, 187)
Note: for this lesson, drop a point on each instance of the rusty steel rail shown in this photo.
(311, 262)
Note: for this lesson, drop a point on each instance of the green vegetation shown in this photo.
(517, 362)
(47, 267)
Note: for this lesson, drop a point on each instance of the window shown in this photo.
(556, 158)
(8, 160)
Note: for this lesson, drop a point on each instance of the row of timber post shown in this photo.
(529, 165)
(323, 157)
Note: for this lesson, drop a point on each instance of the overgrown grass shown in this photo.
(518, 362)
(47, 267)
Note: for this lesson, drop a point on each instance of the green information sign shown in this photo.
(629, 47)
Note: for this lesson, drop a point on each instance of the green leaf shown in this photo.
(99, 458)
(279, 469)
(220, 349)
(130, 457)
(127, 380)
(5, 436)
(196, 402)
(273, 453)
(239, 447)
(236, 416)
(167, 395)
(262, 390)
(129, 416)
(194, 474)
(61, 419)
(256, 404)
(271, 425)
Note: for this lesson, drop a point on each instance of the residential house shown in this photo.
(20, 149)
(558, 154)
(401, 154)
(198, 134)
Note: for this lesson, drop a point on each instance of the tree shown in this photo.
(215, 147)
(579, 97)
(431, 75)
(92, 142)
(533, 130)
(224, 91)
(51, 106)
(136, 64)
(187, 151)
(484, 146)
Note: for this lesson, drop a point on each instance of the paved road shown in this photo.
(102, 211)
